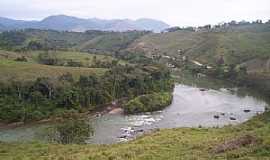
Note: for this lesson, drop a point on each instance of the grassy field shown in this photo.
(248, 141)
(24, 71)
(32, 56)
(85, 58)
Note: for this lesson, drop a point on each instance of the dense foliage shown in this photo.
(71, 130)
(148, 102)
(46, 96)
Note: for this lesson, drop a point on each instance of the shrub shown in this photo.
(148, 103)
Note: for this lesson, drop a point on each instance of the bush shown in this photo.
(21, 59)
(148, 103)
(72, 130)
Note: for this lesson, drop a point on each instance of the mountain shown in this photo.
(2, 28)
(69, 23)
(6, 22)
(151, 24)
(11, 24)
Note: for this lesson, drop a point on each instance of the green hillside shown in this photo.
(110, 42)
(23, 71)
(248, 44)
(32, 68)
(97, 41)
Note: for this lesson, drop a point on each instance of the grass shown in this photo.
(30, 70)
(85, 58)
(24, 71)
(171, 144)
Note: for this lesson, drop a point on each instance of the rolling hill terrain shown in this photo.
(222, 50)
(89, 41)
(244, 45)
(29, 55)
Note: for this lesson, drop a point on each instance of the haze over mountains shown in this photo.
(69, 23)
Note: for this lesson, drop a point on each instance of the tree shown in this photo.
(34, 45)
(73, 130)
(45, 86)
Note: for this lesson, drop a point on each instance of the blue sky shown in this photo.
(174, 12)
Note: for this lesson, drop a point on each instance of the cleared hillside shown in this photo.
(91, 41)
(110, 42)
(23, 71)
(248, 45)
(12, 69)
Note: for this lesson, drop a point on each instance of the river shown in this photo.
(196, 103)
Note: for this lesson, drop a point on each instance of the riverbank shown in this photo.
(250, 140)
(111, 108)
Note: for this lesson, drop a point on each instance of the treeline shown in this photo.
(26, 101)
(50, 58)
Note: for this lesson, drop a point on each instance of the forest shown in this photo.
(46, 96)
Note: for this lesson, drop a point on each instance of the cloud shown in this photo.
(174, 12)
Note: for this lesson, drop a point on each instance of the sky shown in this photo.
(173, 12)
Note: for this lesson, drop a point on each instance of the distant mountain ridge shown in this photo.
(69, 23)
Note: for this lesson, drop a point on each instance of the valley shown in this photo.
(180, 94)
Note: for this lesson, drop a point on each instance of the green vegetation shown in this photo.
(46, 96)
(239, 53)
(75, 59)
(237, 44)
(36, 86)
(111, 42)
(246, 141)
(24, 71)
(46, 77)
(91, 41)
(72, 130)
(148, 103)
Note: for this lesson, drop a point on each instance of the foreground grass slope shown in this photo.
(171, 144)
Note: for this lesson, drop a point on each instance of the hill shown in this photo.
(90, 41)
(240, 45)
(69, 23)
